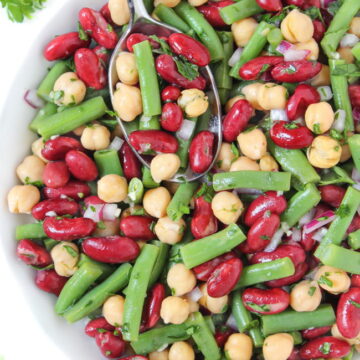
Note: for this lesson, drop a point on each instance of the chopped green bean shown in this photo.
(30, 231)
(135, 190)
(42, 115)
(354, 144)
(147, 179)
(49, 243)
(108, 162)
(354, 240)
(184, 144)
(274, 37)
(149, 122)
(160, 262)
(106, 269)
(240, 10)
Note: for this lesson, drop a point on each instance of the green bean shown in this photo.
(42, 115)
(47, 84)
(136, 292)
(149, 122)
(221, 69)
(297, 337)
(69, 119)
(202, 28)
(104, 93)
(184, 144)
(106, 269)
(354, 240)
(200, 251)
(30, 231)
(131, 126)
(160, 262)
(175, 254)
(223, 95)
(354, 144)
(240, 10)
(291, 320)
(262, 180)
(97, 296)
(108, 162)
(356, 51)
(136, 190)
(147, 179)
(49, 243)
(149, 5)
(274, 37)
(210, 323)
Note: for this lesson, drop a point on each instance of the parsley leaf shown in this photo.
(325, 280)
(312, 290)
(235, 150)
(82, 34)
(186, 68)
(343, 210)
(18, 10)
(356, 304)
(325, 348)
(334, 6)
(71, 251)
(258, 308)
(316, 128)
(314, 13)
(111, 113)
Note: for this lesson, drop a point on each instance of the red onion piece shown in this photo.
(320, 221)
(32, 99)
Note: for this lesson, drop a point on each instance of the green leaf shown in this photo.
(258, 308)
(71, 251)
(343, 211)
(325, 348)
(325, 281)
(335, 175)
(186, 68)
(18, 10)
(356, 304)
(334, 6)
(314, 13)
(82, 34)
(312, 290)
(235, 150)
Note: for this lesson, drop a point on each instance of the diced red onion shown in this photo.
(284, 46)
(296, 235)
(195, 294)
(32, 99)
(295, 55)
(249, 191)
(275, 241)
(356, 114)
(278, 115)
(93, 212)
(266, 76)
(231, 322)
(144, 148)
(186, 130)
(325, 93)
(320, 234)
(116, 143)
(109, 212)
(339, 122)
(349, 40)
(235, 57)
(307, 217)
(51, 213)
(316, 223)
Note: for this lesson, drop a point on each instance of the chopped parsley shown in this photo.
(325, 280)
(325, 348)
(71, 251)
(82, 33)
(312, 290)
(316, 128)
(258, 308)
(356, 304)
(343, 211)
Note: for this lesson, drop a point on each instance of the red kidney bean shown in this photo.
(155, 140)
(266, 302)
(303, 96)
(129, 162)
(151, 312)
(307, 241)
(315, 332)
(59, 206)
(135, 357)
(325, 347)
(270, 5)
(137, 227)
(237, 119)
(136, 38)
(299, 3)
(93, 200)
(204, 271)
(73, 189)
(222, 335)
(319, 30)
(211, 11)
(190, 48)
(50, 281)
(171, 117)
(56, 174)
(102, 54)
(203, 221)
(111, 346)
(311, 3)
(81, 166)
(111, 249)
(56, 149)
(32, 254)
(354, 225)
(63, 46)
(295, 71)
(89, 69)
(224, 277)
(201, 151)
(105, 12)
(252, 69)
(170, 93)
(270, 201)
(66, 229)
(93, 326)
(354, 93)
(332, 194)
(294, 354)
(98, 28)
(166, 68)
(300, 271)
(289, 135)
(355, 280)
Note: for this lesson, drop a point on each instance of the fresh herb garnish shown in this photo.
(325, 348)
(356, 304)
(82, 33)
(343, 210)
(312, 290)
(325, 281)
(259, 308)
(18, 10)
(70, 250)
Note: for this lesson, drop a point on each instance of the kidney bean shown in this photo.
(201, 151)
(354, 93)
(135, 357)
(354, 225)
(266, 302)
(56, 149)
(332, 194)
(203, 221)
(32, 254)
(66, 229)
(137, 227)
(295, 71)
(300, 271)
(81, 166)
(111, 346)
(237, 119)
(56, 174)
(136, 38)
(270, 5)
(325, 347)
(211, 11)
(307, 241)
(170, 93)
(105, 12)
(290, 135)
(73, 189)
(319, 30)
(204, 271)
(171, 117)
(270, 201)
(111, 249)
(63, 46)
(129, 162)
(93, 200)
(59, 206)
(299, 3)
(311, 3)
(294, 354)
(166, 68)
(304, 95)
(89, 69)
(98, 28)
(102, 54)
(151, 312)
(222, 335)
(224, 277)
(93, 326)
(315, 332)
(155, 140)
(355, 280)
(50, 281)
(252, 69)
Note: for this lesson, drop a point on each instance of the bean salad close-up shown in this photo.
(194, 185)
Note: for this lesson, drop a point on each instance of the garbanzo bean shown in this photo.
(227, 207)
(22, 198)
(297, 27)
(68, 89)
(65, 256)
(251, 92)
(112, 188)
(164, 166)
(243, 30)
(127, 102)
(305, 296)
(272, 96)
(30, 170)
(215, 305)
(322, 78)
(194, 306)
(346, 54)
(310, 45)
(156, 200)
(113, 310)
(95, 137)
(108, 228)
(168, 3)
(268, 163)
(238, 347)
(119, 11)
(174, 310)
(181, 350)
(232, 101)
(36, 148)
(225, 158)
(345, 153)
(252, 143)
(244, 163)
(319, 117)
(333, 280)
(278, 346)
(193, 101)
(197, 2)
(159, 355)
(180, 280)
(126, 68)
(324, 152)
(355, 26)
(336, 333)
(169, 231)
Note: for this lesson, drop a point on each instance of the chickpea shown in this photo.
(119, 11)
(252, 143)
(268, 163)
(65, 256)
(232, 101)
(36, 148)
(181, 350)
(180, 280)
(319, 117)
(333, 280)
(169, 231)
(227, 207)
(156, 200)
(168, 3)
(355, 26)
(68, 90)
(297, 27)
(215, 305)
(322, 78)
(159, 355)
(79, 130)
(238, 347)
(243, 30)
(226, 157)
(95, 137)
(244, 163)
(109, 228)
(112, 188)
(324, 152)
(30, 170)
(127, 102)
(193, 101)
(305, 296)
(251, 92)
(336, 333)
(345, 153)
(310, 45)
(126, 68)
(174, 310)
(164, 166)
(113, 310)
(22, 198)
(271, 96)
(346, 54)
(278, 346)
(194, 306)
(197, 2)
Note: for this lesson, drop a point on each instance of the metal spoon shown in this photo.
(142, 22)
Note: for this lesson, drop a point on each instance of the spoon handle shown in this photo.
(139, 9)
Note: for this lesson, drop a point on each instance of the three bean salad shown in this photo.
(260, 258)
